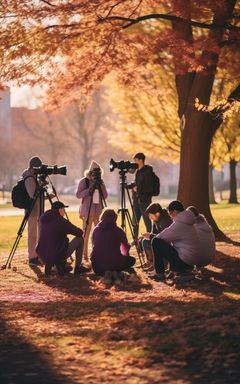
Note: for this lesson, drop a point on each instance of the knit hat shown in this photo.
(93, 165)
(35, 161)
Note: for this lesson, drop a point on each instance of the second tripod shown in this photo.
(126, 218)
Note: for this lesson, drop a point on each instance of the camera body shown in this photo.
(122, 165)
(45, 169)
(96, 174)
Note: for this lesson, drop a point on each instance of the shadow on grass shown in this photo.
(193, 342)
(23, 363)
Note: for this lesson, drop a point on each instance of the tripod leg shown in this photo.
(20, 231)
(139, 252)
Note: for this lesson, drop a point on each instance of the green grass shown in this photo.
(226, 215)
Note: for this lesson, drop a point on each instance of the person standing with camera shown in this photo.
(92, 191)
(31, 184)
(146, 186)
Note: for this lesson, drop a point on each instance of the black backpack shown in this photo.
(20, 197)
(156, 185)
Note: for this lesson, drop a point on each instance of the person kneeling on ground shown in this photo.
(53, 246)
(178, 244)
(206, 238)
(110, 246)
(160, 220)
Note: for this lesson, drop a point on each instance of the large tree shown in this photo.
(75, 44)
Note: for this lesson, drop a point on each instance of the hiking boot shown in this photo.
(35, 261)
(80, 270)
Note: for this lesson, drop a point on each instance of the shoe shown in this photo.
(81, 269)
(48, 269)
(35, 261)
(180, 277)
(157, 276)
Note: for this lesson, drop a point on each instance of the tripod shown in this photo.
(96, 186)
(125, 215)
(41, 193)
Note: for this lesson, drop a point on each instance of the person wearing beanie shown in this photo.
(90, 189)
(30, 177)
(53, 246)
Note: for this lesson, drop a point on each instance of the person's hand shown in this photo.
(135, 189)
(146, 235)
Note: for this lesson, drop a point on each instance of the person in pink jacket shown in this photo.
(89, 194)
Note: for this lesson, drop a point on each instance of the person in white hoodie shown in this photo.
(178, 244)
(206, 238)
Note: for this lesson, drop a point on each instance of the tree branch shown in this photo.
(131, 21)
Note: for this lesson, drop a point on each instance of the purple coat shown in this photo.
(53, 241)
(110, 246)
(84, 194)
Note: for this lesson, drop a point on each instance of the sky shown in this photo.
(26, 96)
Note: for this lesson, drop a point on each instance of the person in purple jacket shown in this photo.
(110, 246)
(88, 193)
(53, 246)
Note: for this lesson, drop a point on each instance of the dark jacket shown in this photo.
(164, 221)
(144, 183)
(110, 246)
(53, 242)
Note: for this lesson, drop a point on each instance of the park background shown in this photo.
(107, 79)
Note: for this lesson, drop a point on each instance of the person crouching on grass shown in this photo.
(53, 246)
(110, 246)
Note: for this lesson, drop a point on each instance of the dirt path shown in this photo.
(74, 330)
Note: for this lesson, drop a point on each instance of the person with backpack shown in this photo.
(31, 185)
(90, 191)
(145, 186)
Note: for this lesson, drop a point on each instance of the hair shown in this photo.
(109, 214)
(176, 205)
(153, 208)
(193, 210)
(139, 156)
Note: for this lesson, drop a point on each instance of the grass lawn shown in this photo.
(226, 215)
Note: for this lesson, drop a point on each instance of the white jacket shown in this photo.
(207, 240)
(183, 236)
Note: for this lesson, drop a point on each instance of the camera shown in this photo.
(122, 165)
(96, 174)
(51, 170)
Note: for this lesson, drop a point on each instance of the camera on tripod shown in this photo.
(122, 165)
(51, 170)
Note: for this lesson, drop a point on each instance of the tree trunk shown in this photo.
(233, 182)
(211, 186)
(197, 133)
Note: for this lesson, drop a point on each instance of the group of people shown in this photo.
(175, 241)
